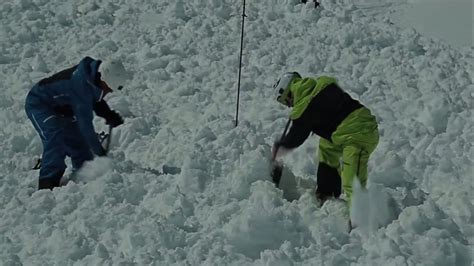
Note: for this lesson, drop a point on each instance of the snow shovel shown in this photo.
(277, 167)
(277, 170)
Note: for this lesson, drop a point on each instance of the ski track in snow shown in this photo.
(186, 187)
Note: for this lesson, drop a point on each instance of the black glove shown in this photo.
(102, 109)
(113, 119)
(102, 153)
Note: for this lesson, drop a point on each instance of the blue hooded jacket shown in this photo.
(76, 88)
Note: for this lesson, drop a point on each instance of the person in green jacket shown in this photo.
(348, 131)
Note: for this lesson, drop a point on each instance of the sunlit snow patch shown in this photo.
(371, 208)
(94, 169)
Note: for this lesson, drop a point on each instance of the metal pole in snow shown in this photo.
(240, 66)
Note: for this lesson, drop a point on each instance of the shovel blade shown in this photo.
(277, 171)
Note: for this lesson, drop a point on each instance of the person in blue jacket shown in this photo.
(61, 109)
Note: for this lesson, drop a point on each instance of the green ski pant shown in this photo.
(352, 143)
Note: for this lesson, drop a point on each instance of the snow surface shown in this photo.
(184, 186)
(450, 21)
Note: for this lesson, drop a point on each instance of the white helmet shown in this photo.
(282, 87)
(114, 74)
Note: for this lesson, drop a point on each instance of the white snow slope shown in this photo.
(184, 186)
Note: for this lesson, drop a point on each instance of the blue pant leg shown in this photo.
(50, 129)
(76, 145)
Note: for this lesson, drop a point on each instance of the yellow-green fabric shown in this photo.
(353, 141)
(304, 90)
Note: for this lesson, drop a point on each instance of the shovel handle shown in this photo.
(108, 140)
(281, 138)
(277, 169)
